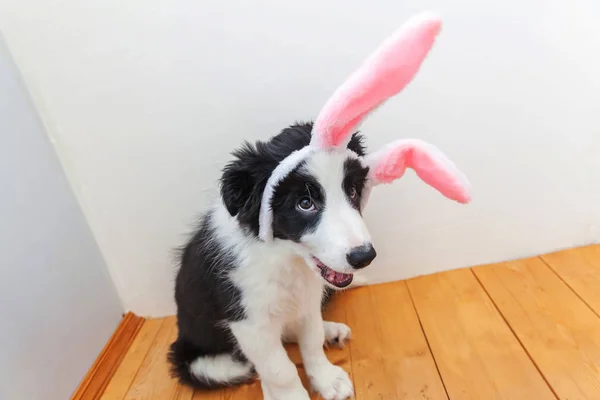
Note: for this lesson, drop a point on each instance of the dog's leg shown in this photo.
(290, 332)
(261, 344)
(336, 333)
(331, 381)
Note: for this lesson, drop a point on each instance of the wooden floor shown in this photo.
(524, 330)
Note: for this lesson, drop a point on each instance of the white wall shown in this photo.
(58, 306)
(146, 98)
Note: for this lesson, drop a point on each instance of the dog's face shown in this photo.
(316, 208)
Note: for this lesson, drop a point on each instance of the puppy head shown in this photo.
(308, 187)
(316, 208)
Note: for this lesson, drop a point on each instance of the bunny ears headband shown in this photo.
(385, 73)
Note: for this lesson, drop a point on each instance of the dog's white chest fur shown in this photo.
(275, 283)
(285, 290)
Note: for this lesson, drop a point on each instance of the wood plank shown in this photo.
(560, 332)
(105, 366)
(390, 355)
(246, 391)
(580, 269)
(477, 354)
(153, 380)
(132, 361)
(218, 394)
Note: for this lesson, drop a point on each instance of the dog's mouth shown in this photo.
(337, 279)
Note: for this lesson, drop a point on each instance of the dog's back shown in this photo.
(205, 299)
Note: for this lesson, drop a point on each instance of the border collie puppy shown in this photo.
(238, 297)
(288, 229)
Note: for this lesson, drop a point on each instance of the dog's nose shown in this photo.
(361, 256)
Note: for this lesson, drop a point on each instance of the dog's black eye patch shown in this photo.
(290, 221)
(355, 177)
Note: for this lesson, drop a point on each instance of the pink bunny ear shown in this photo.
(429, 163)
(385, 73)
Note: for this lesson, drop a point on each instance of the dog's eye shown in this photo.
(353, 192)
(306, 204)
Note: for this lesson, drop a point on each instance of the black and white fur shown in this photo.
(239, 297)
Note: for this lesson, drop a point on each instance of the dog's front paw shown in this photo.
(336, 334)
(332, 382)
